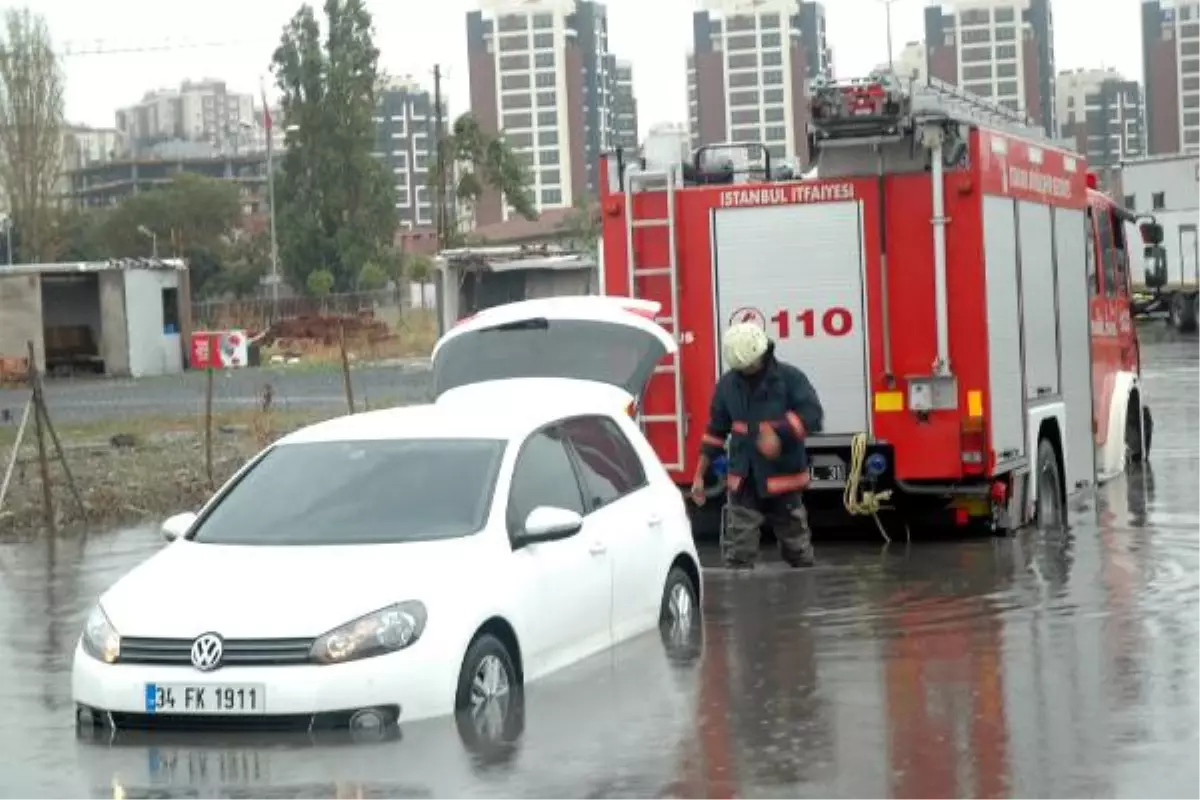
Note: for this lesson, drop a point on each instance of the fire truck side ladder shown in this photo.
(655, 179)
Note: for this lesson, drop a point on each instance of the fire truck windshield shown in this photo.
(618, 355)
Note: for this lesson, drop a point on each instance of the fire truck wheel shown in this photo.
(1183, 312)
(1133, 435)
(1050, 502)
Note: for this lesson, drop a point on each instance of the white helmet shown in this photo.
(743, 344)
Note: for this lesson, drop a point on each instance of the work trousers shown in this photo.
(745, 514)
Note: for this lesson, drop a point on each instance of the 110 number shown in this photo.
(836, 321)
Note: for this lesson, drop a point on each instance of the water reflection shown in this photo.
(1061, 664)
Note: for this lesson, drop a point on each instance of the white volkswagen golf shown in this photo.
(409, 563)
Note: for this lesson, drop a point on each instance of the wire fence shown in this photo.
(256, 313)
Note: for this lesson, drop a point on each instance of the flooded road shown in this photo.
(1061, 665)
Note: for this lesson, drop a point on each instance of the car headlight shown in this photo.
(100, 639)
(383, 631)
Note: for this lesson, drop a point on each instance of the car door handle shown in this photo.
(597, 548)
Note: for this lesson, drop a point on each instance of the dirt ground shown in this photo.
(133, 471)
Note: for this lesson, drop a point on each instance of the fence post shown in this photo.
(208, 425)
(345, 366)
(43, 457)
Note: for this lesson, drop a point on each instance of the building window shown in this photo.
(1005, 70)
(509, 43)
(1006, 34)
(543, 41)
(1006, 88)
(512, 22)
(743, 79)
(543, 60)
(747, 135)
(770, 40)
(975, 17)
(551, 197)
(776, 133)
(1131, 201)
(547, 138)
(510, 82)
(743, 42)
(543, 21)
(772, 58)
(746, 117)
(1189, 48)
(1158, 201)
(546, 99)
(516, 121)
(976, 54)
(772, 96)
(976, 36)
(981, 89)
(547, 119)
(977, 72)
(545, 80)
(1005, 15)
(401, 160)
(743, 61)
(550, 177)
(1006, 51)
(519, 141)
(548, 158)
(1191, 101)
(517, 101)
(773, 114)
(743, 98)
(403, 200)
(772, 77)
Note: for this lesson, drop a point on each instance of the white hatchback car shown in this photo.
(409, 563)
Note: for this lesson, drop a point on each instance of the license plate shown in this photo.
(206, 698)
(828, 473)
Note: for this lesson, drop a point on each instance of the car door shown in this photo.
(621, 509)
(565, 585)
(612, 340)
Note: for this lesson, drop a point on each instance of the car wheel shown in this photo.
(488, 702)
(679, 614)
(1133, 433)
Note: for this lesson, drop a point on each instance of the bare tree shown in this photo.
(31, 129)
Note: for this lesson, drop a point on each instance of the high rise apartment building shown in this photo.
(1002, 50)
(406, 136)
(539, 72)
(1171, 63)
(1102, 113)
(748, 72)
(198, 111)
(624, 114)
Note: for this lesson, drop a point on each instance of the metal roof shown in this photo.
(75, 267)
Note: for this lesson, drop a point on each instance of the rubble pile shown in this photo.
(303, 333)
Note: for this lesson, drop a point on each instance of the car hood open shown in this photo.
(276, 592)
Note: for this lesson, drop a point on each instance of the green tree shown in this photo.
(372, 277)
(192, 211)
(418, 268)
(584, 227)
(319, 283)
(336, 204)
(472, 162)
(247, 261)
(31, 130)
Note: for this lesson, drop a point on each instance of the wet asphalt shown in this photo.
(1043, 665)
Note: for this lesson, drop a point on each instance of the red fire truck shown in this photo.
(952, 283)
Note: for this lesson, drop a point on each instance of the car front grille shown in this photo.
(236, 652)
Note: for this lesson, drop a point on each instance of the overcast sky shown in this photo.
(240, 35)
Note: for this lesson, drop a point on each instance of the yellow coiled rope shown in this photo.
(857, 502)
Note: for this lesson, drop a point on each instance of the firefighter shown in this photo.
(765, 408)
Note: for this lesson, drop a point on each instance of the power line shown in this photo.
(100, 47)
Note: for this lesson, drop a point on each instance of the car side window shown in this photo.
(1092, 276)
(1108, 255)
(611, 467)
(542, 476)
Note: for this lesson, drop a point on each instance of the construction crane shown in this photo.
(104, 47)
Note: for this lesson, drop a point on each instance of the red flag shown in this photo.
(266, 111)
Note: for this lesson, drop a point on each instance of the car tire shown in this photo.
(679, 615)
(1051, 506)
(1133, 433)
(489, 702)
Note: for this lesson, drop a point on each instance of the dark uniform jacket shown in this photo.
(782, 398)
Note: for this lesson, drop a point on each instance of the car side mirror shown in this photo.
(1152, 233)
(549, 524)
(177, 526)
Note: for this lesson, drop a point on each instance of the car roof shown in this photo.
(505, 409)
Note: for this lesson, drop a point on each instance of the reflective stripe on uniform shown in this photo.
(734, 481)
(781, 484)
(741, 427)
(795, 423)
(714, 441)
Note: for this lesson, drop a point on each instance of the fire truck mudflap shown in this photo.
(797, 270)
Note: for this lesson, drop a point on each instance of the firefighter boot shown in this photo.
(794, 535)
(740, 536)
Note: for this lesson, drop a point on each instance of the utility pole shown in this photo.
(887, 5)
(439, 185)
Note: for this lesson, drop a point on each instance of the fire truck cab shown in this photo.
(952, 284)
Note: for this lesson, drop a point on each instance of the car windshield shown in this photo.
(548, 348)
(358, 492)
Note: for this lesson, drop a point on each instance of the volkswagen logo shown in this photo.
(207, 651)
